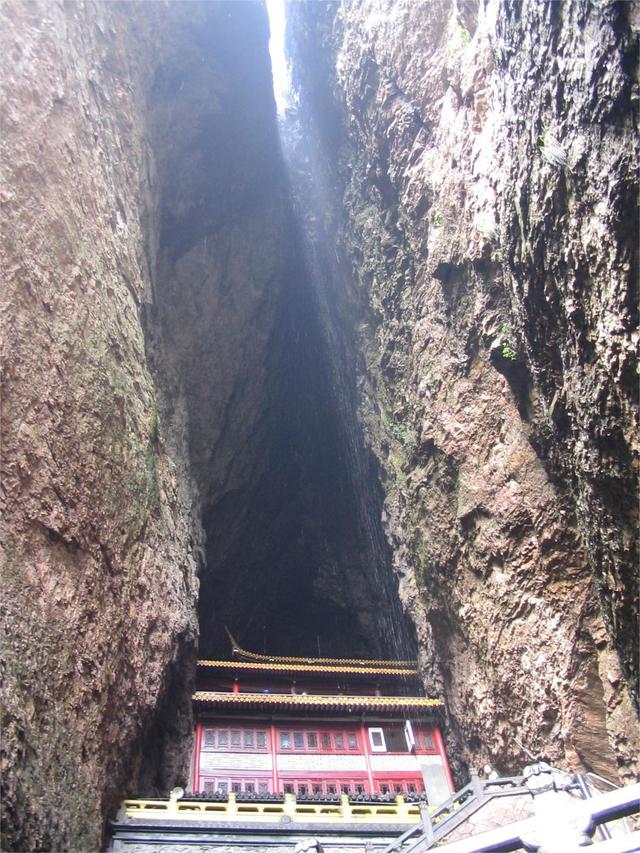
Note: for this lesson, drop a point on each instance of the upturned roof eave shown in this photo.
(238, 651)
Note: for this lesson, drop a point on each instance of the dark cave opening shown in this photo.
(296, 559)
(290, 565)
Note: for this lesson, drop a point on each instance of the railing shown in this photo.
(398, 811)
(594, 808)
(577, 819)
(436, 822)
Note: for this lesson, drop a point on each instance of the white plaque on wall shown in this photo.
(436, 783)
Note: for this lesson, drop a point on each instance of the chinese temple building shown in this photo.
(343, 756)
(316, 728)
(349, 751)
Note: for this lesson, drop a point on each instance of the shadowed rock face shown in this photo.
(289, 557)
(289, 560)
(488, 169)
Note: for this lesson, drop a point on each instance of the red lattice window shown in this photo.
(245, 739)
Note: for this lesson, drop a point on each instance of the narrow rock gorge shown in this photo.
(488, 177)
(361, 380)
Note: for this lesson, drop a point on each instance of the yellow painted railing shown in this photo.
(256, 810)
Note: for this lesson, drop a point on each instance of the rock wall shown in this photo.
(127, 129)
(488, 169)
(167, 410)
(180, 355)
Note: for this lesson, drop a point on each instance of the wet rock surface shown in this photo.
(487, 155)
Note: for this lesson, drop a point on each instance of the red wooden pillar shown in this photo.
(443, 754)
(364, 734)
(235, 687)
(196, 758)
(274, 759)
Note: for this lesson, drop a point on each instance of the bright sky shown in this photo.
(281, 78)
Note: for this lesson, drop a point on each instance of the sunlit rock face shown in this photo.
(487, 169)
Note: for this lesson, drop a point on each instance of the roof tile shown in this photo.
(319, 701)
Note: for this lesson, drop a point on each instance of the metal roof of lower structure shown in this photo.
(318, 702)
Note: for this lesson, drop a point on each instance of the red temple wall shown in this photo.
(310, 757)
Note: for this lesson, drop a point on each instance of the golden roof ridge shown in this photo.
(307, 668)
(277, 659)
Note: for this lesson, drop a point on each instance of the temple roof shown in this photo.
(337, 668)
(331, 703)
(243, 654)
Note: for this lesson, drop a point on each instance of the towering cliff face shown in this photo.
(131, 133)
(100, 543)
(488, 176)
